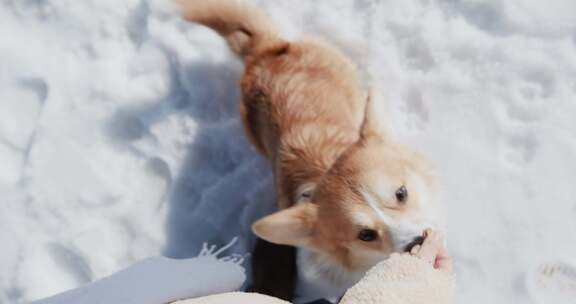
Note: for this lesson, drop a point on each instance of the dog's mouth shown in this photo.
(417, 241)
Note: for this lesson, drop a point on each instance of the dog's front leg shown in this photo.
(274, 270)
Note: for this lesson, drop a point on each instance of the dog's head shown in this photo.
(377, 199)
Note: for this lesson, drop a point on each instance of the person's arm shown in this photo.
(422, 277)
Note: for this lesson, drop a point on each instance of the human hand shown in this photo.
(433, 250)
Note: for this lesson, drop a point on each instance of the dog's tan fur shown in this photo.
(302, 104)
(336, 171)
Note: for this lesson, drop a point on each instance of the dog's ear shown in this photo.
(373, 126)
(292, 226)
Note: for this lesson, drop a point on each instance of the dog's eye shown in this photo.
(367, 235)
(305, 192)
(402, 194)
(305, 196)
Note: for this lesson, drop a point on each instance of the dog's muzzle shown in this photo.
(419, 240)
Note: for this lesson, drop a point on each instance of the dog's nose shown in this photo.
(416, 241)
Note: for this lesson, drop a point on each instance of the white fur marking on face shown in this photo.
(373, 203)
(401, 232)
(383, 188)
(429, 212)
(362, 219)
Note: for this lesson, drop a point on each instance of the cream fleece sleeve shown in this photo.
(402, 279)
(234, 298)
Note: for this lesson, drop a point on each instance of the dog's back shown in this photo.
(302, 106)
(302, 101)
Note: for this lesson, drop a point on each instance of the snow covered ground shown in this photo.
(120, 138)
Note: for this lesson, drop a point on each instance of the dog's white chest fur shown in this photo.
(320, 278)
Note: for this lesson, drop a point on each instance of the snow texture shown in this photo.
(120, 137)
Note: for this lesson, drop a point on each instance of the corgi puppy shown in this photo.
(348, 195)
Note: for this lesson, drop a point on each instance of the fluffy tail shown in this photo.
(247, 30)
